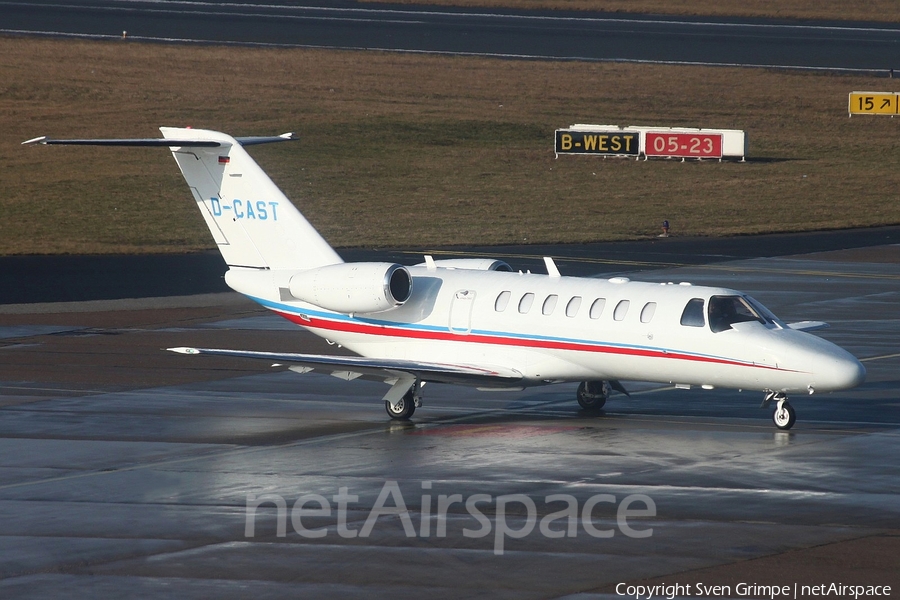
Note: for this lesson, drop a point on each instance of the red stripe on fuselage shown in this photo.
(389, 331)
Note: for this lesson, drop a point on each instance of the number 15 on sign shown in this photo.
(873, 103)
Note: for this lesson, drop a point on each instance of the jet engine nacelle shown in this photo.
(353, 287)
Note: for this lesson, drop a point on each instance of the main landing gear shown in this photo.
(407, 405)
(784, 415)
(592, 395)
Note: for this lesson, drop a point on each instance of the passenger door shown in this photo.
(461, 312)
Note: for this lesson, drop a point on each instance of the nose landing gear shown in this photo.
(784, 415)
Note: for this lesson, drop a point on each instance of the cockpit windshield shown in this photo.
(725, 311)
(764, 312)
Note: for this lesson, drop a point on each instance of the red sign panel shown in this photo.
(683, 145)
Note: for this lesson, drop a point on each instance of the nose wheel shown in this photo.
(784, 415)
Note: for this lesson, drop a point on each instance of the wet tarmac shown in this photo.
(127, 471)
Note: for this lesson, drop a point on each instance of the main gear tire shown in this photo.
(592, 395)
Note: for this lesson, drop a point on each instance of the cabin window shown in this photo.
(648, 311)
(502, 301)
(526, 302)
(725, 311)
(621, 310)
(693, 313)
(597, 308)
(573, 306)
(550, 304)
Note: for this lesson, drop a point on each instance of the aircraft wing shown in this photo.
(383, 369)
(807, 325)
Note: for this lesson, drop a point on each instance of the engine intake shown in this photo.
(354, 287)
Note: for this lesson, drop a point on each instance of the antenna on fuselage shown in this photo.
(552, 271)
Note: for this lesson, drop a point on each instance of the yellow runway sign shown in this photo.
(874, 103)
(611, 143)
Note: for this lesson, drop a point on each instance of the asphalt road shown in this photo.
(556, 35)
(131, 472)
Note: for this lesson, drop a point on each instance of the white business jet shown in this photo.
(475, 321)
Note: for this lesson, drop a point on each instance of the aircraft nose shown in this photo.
(856, 373)
(842, 374)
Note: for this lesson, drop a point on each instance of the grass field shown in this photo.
(415, 151)
(866, 10)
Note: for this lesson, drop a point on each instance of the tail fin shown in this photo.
(250, 219)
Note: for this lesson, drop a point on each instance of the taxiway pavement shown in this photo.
(127, 471)
(499, 32)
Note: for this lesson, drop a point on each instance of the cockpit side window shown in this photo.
(693, 313)
(724, 311)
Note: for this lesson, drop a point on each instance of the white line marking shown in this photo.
(217, 9)
(99, 36)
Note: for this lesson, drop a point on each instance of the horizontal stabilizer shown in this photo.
(161, 142)
(126, 142)
(378, 368)
(265, 139)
